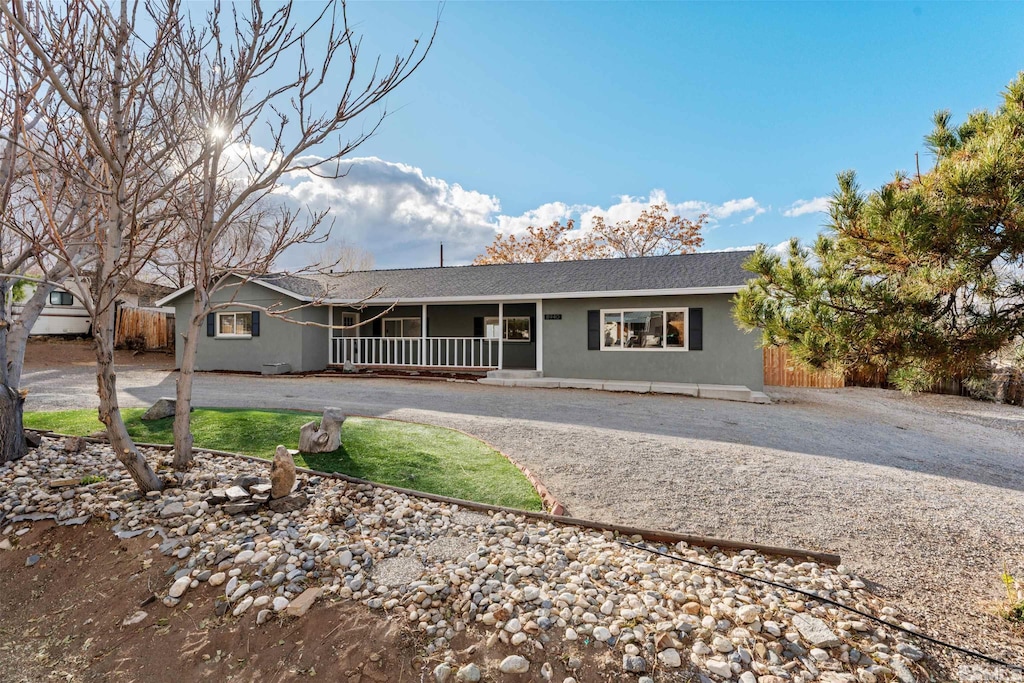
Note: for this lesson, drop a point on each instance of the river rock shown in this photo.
(172, 510)
(815, 631)
(136, 618)
(74, 444)
(300, 605)
(670, 658)
(634, 664)
(295, 501)
(240, 508)
(179, 587)
(514, 664)
(468, 674)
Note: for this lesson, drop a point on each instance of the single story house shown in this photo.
(658, 319)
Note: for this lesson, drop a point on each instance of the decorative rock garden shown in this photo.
(272, 553)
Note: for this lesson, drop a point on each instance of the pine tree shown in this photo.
(922, 278)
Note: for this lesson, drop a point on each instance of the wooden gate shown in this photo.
(145, 328)
(780, 373)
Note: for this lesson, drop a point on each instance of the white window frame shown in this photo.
(234, 325)
(338, 328)
(664, 325)
(492, 320)
(402, 320)
(61, 294)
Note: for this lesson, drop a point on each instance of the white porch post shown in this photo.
(501, 334)
(423, 336)
(540, 335)
(330, 336)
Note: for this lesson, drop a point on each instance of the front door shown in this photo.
(344, 335)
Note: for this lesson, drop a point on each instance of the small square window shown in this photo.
(234, 324)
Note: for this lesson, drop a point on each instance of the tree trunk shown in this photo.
(13, 338)
(12, 435)
(186, 374)
(325, 437)
(110, 411)
(17, 337)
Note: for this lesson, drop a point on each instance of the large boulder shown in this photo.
(282, 473)
(164, 407)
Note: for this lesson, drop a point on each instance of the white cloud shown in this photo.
(629, 208)
(397, 212)
(543, 216)
(749, 247)
(400, 214)
(802, 207)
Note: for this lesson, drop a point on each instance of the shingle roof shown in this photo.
(687, 271)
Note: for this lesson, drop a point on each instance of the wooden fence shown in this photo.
(144, 328)
(780, 373)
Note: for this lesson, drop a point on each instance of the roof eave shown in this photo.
(681, 291)
(281, 290)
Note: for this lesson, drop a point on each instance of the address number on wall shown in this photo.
(552, 316)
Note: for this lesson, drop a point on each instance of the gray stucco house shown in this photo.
(660, 319)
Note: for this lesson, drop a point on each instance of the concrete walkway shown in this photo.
(923, 495)
(722, 392)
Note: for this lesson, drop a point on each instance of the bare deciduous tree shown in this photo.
(557, 242)
(341, 257)
(250, 138)
(107, 67)
(655, 232)
(38, 210)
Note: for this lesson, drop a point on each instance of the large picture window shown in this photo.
(517, 328)
(402, 327)
(644, 330)
(238, 325)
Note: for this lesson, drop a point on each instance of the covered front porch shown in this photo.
(470, 336)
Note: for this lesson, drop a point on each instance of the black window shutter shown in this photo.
(478, 326)
(593, 330)
(533, 328)
(376, 328)
(696, 316)
(211, 324)
(255, 323)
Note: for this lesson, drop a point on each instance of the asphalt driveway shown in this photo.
(922, 495)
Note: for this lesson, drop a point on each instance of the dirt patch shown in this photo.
(43, 353)
(61, 619)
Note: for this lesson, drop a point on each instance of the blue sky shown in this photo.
(525, 112)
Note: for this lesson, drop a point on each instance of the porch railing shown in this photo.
(438, 352)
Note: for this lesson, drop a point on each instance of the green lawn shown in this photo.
(415, 456)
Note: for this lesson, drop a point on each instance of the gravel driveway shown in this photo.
(922, 496)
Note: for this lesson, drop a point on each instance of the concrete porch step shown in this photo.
(514, 374)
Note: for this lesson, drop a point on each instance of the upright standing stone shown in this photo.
(282, 473)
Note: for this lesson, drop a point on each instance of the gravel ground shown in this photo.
(566, 602)
(920, 495)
